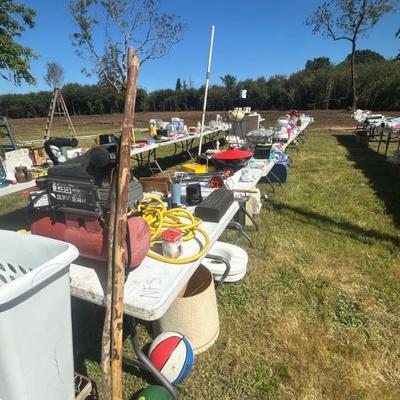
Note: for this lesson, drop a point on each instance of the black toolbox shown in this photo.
(213, 208)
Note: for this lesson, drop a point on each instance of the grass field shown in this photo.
(318, 314)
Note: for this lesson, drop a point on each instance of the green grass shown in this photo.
(317, 316)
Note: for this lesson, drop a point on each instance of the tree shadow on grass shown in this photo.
(379, 173)
(87, 328)
(330, 224)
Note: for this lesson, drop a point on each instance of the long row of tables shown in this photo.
(147, 155)
(151, 288)
(186, 138)
(186, 143)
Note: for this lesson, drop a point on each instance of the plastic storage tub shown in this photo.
(36, 356)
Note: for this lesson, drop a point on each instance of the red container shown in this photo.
(232, 158)
(90, 237)
(172, 243)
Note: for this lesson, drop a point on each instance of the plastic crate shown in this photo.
(36, 355)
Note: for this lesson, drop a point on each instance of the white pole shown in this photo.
(207, 83)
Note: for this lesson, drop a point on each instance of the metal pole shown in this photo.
(207, 83)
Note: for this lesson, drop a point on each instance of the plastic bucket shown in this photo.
(194, 312)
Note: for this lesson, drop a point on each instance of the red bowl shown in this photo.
(233, 154)
(232, 158)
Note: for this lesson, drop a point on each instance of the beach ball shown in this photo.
(172, 354)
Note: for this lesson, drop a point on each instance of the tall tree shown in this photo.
(107, 27)
(398, 36)
(366, 56)
(15, 58)
(229, 81)
(178, 85)
(348, 20)
(317, 63)
(55, 75)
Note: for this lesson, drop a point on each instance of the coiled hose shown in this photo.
(154, 211)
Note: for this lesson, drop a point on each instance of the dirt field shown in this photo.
(29, 128)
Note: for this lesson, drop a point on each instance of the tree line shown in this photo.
(80, 100)
(319, 85)
(154, 32)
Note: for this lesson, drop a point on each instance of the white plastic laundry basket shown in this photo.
(36, 357)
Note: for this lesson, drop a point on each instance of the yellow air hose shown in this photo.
(154, 211)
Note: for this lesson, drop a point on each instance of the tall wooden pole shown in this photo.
(117, 233)
(121, 224)
(106, 339)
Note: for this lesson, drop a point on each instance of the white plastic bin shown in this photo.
(36, 356)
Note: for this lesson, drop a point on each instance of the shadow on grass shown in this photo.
(379, 173)
(329, 224)
(87, 328)
(14, 220)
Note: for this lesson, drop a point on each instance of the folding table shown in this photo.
(17, 187)
(148, 154)
(149, 289)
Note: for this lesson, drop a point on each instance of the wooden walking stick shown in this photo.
(120, 225)
(106, 339)
(112, 332)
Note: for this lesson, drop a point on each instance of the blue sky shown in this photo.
(252, 39)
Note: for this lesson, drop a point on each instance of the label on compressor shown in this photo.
(74, 195)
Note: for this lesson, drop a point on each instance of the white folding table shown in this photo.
(185, 142)
(17, 187)
(149, 289)
(152, 287)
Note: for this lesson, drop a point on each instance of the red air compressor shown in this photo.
(72, 203)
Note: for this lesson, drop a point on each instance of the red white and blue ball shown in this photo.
(172, 354)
